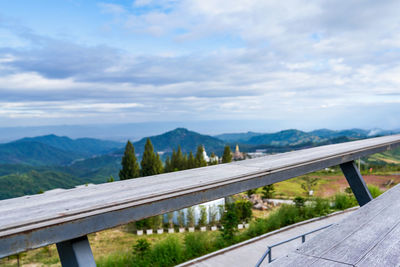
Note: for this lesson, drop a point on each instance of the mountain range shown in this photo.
(34, 164)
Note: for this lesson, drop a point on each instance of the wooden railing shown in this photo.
(66, 217)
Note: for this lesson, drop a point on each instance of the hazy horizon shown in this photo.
(136, 131)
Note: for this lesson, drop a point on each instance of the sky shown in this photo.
(294, 63)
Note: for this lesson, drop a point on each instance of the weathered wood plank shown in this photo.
(350, 239)
(299, 260)
(368, 237)
(386, 253)
(33, 221)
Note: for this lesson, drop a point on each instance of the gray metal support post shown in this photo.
(356, 182)
(76, 253)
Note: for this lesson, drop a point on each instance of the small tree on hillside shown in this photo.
(150, 162)
(159, 164)
(227, 156)
(168, 165)
(191, 162)
(200, 161)
(130, 167)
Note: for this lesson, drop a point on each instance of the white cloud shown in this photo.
(287, 60)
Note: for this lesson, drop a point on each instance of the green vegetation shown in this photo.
(268, 191)
(227, 156)
(130, 167)
(151, 163)
(199, 158)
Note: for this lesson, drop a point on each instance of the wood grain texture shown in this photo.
(368, 237)
(299, 260)
(93, 208)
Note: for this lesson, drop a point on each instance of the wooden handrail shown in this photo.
(33, 221)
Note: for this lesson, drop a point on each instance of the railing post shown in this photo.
(356, 182)
(269, 255)
(76, 253)
(303, 238)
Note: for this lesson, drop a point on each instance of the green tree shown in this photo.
(227, 156)
(190, 217)
(251, 192)
(150, 162)
(191, 162)
(199, 159)
(141, 248)
(159, 164)
(268, 191)
(229, 222)
(130, 167)
(178, 160)
(168, 165)
(309, 184)
(181, 218)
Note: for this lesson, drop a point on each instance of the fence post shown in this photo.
(76, 253)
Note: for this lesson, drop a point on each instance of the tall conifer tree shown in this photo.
(191, 162)
(227, 156)
(168, 167)
(149, 163)
(130, 167)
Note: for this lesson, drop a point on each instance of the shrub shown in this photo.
(268, 191)
(141, 248)
(321, 206)
(244, 211)
(343, 201)
(299, 202)
(374, 190)
(197, 244)
(168, 252)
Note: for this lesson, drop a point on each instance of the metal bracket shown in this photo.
(76, 253)
(356, 182)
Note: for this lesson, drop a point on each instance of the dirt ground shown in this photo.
(338, 183)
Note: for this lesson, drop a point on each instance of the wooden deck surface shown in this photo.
(368, 237)
(33, 221)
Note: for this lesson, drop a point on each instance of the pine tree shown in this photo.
(227, 156)
(149, 160)
(159, 164)
(168, 167)
(191, 162)
(130, 167)
(200, 161)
